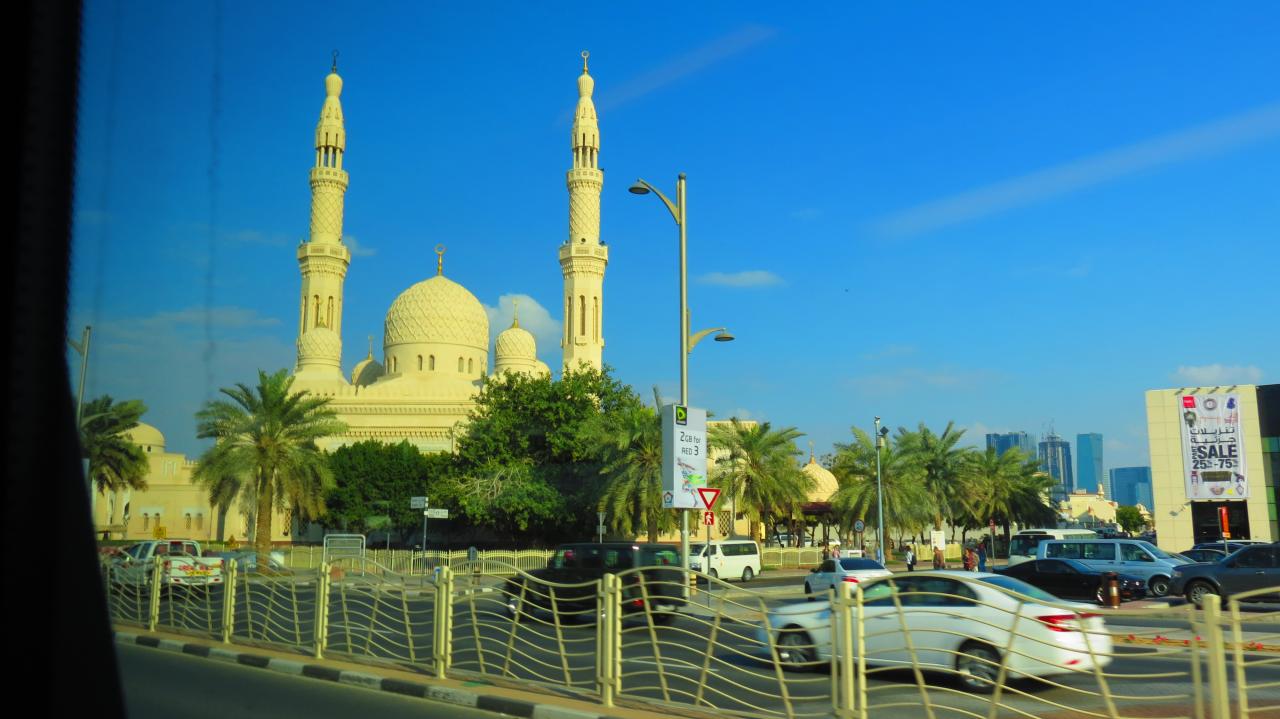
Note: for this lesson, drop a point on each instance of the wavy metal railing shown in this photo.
(1256, 696)
(407, 562)
(377, 613)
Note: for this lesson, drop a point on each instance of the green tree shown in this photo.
(265, 451)
(1130, 518)
(115, 462)
(1005, 487)
(631, 441)
(906, 504)
(760, 476)
(940, 462)
(372, 478)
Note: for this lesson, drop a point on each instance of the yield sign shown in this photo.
(709, 496)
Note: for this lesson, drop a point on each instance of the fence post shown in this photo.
(843, 655)
(153, 603)
(609, 639)
(1219, 702)
(322, 611)
(228, 600)
(442, 632)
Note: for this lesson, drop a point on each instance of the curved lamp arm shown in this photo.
(695, 339)
(675, 212)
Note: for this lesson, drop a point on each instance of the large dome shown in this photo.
(144, 435)
(825, 483)
(437, 310)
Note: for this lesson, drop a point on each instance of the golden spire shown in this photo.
(335, 61)
(811, 459)
(585, 55)
(370, 346)
(440, 259)
(515, 321)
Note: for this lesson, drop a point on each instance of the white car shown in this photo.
(958, 622)
(834, 571)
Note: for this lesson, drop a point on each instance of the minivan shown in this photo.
(1123, 556)
(731, 558)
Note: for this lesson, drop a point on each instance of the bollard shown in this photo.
(1112, 584)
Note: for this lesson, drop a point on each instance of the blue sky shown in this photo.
(1012, 216)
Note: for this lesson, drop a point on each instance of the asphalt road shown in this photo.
(697, 660)
(162, 685)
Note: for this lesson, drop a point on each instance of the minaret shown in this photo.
(323, 259)
(583, 257)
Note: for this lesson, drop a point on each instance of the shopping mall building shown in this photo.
(1214, 448)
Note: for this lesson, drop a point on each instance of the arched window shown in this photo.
(328, 320)
(471, 366)
(395, 364)
(568, 319)
(146, 521)
(459, 365)
(317, 303)
(431, 363)
(303, 314)
(199, 521)
(419, 363)
(597, 318)
(188, 520)
(582, 315)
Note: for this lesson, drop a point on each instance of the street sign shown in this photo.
(417, 503)
(708, 518)
(709, 496)
(159, 532)
(859, 525)
(600, 516)
(436, 514)
(684, 456)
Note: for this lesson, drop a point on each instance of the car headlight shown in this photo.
(695, 566)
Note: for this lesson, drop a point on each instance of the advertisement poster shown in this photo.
(684, 456)
(1213, 446)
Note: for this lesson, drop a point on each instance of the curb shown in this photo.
(416, 689)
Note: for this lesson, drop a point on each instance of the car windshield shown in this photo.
(697, 550)
(1025, 545)
(1160, 553)
(659, 557)
(854, 563)
(1021, 587)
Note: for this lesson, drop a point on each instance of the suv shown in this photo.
(660, 580)
(1253, 567)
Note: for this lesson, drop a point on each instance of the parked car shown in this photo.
(1253, 567)
(587, 562)
(1123, 556)
(247, 560)
(182, 565)
(957, 621)
(1204, 555)
(1229, 546)
(1070, 579)
(731, 558)
(788, 540)
(834, 571)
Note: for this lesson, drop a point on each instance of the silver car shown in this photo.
(833, 572)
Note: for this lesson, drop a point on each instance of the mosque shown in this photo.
(435, 351)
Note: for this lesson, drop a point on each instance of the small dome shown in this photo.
(319, 343)
(367, 371)
(543, 370)
(825, 483)
(144, 435)
(516, 342)
(438, 310)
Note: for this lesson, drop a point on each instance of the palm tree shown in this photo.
(265, 451)
(115, 462)
(941, 464)
(1006, 487)
(632, 450)
(760, 475)
(906, 504)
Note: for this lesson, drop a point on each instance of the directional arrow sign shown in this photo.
(709, 496)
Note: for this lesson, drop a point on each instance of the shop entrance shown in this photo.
(1204, 520)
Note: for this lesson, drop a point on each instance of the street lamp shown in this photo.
(678, 212)
(881, 434)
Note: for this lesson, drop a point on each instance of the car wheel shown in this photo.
(1197, 591)
(747, 574)
(1159, 586)
(795, 649)
(808, 593)
(662, 619)
(714, 574)
(515, 605)
(978, 666)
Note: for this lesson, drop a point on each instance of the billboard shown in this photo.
(1213, 446)
(684, 456)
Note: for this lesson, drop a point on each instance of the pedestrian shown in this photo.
(911, 560)
(938, 561)
(835, 551)
(966, 559)
(982, 556)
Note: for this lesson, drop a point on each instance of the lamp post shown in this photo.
(687, 342)
(881, 433)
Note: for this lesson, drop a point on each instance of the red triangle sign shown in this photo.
(709, 496)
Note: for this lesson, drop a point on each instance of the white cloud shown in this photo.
(1203, 140)
(748, 278)
(1217, 375)
(357, 249)
(533, 317)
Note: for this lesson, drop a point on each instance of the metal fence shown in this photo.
(924, 644)
(413, 562)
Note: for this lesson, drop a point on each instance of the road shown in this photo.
(162, 685)
(697, 660)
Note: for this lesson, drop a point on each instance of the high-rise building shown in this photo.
(1132, 485)
(1002, 442)
(1055, 460)
(1089, 463)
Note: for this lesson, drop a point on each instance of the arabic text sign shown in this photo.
(684, 456)
(1213, 446)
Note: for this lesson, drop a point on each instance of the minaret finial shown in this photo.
(335, 61)
(585, 55)
(440, 259)
(370, 346)
(811, 460)
(515, 320)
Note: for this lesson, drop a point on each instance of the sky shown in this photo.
(1013, 216)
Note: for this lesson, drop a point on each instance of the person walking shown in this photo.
(911, 560)
(982, 556)
(835, 551)
(967, 559)
(938, 561)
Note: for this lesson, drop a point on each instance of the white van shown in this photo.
(732, 558)
(1022, 546)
